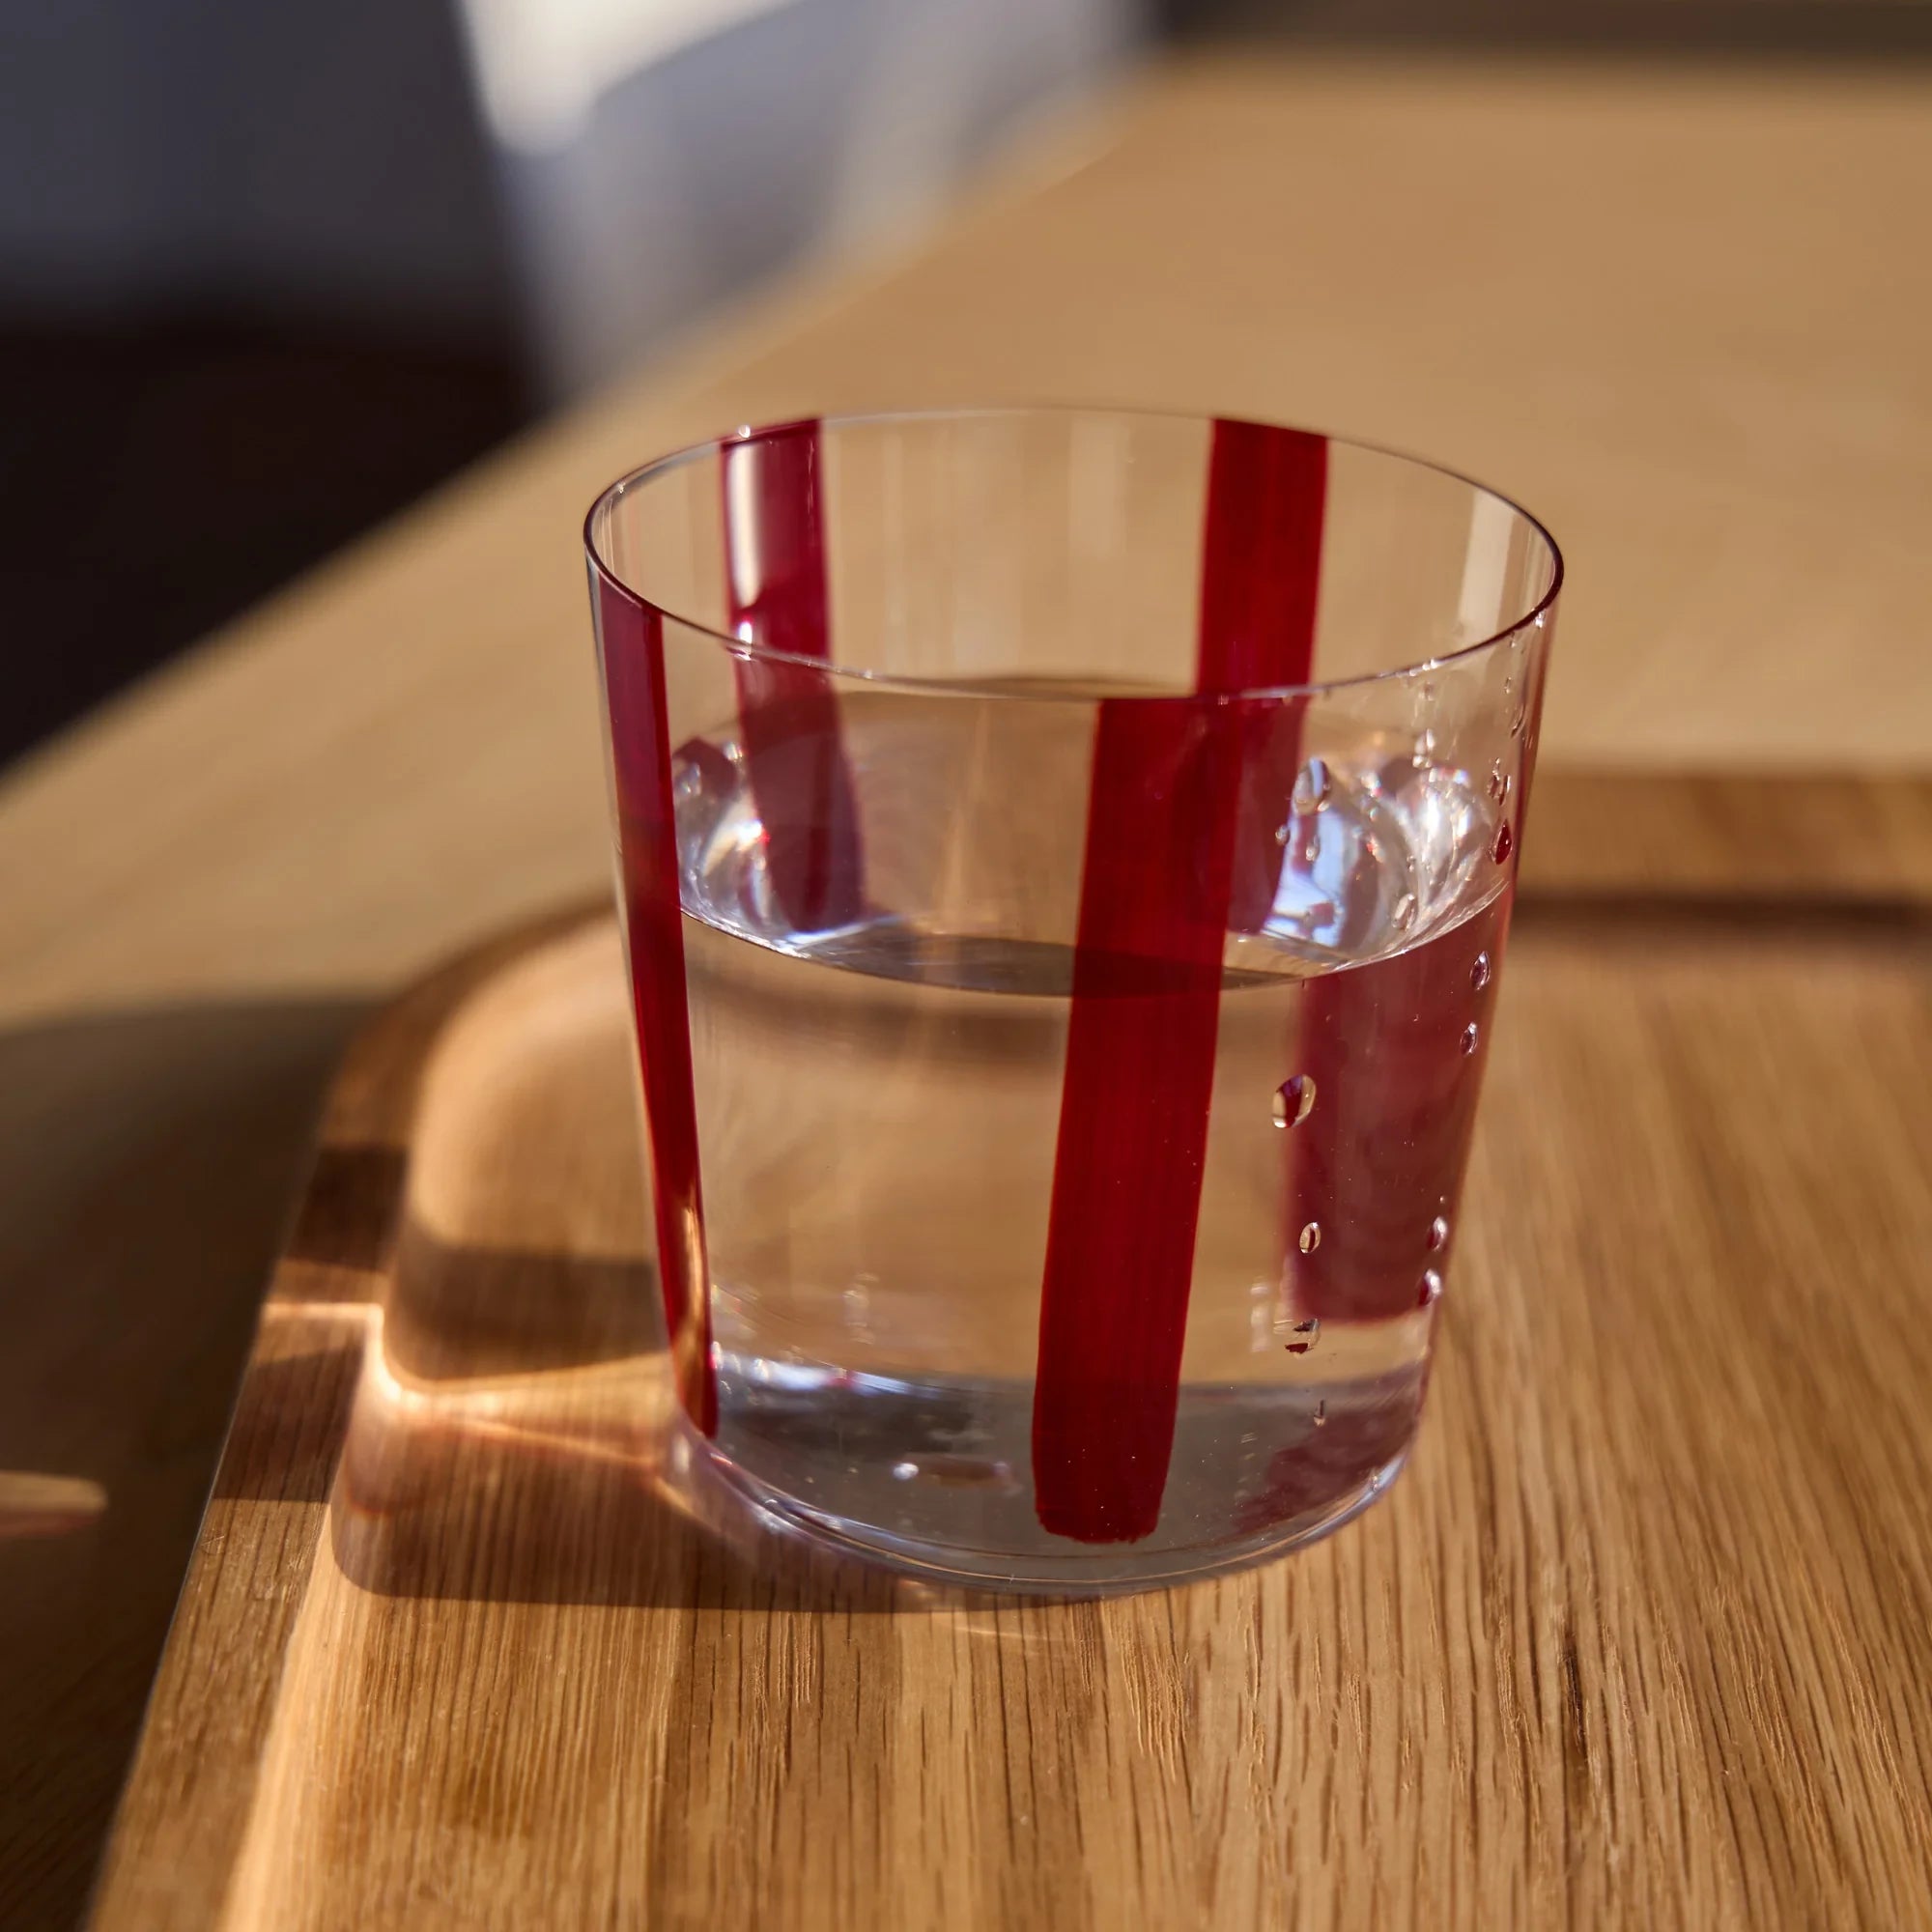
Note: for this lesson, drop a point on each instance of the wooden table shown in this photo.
(1679, 313)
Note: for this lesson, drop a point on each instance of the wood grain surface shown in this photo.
(1641, 1637)
(1676, 311)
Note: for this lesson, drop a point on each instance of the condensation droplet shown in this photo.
(1429, 690)
(1403, 913)
(1306, 1335)
(1517, 721)
(1294, 1100)
(1469, 1038)
(905, 1471)
(1479, 973)
(1311, 1238)
(1311, 788)
(1425, 750)
(1439, 1234)
(1429, 1291)
(1509, 685)
(1505, 844)
(1320, 1414)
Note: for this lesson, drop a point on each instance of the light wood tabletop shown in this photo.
(1680, 314)
(1638, 1638)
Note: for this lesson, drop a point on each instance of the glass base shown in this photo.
(1076, 1571)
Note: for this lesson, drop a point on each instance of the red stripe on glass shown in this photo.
(632, 642)
(1396, 1052)
(1182, 809)
(775, 597)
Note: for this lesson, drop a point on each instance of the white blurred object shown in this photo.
(660, 155)
(542, 65)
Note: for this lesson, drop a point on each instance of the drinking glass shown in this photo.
(1066, 860)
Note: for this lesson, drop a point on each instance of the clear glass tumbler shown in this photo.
(1066, 860)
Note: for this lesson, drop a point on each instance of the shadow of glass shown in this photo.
(151, 1160)
(513, 1437)
(573, 1488)
(458, 1312)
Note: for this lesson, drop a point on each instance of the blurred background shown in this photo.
(267, 274)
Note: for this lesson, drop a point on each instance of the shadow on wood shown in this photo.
(150, 1157)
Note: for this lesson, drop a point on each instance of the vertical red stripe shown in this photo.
(1395, 1051)
(776, 596)
(1182, 809)
(1381, 1155)
(632, 642)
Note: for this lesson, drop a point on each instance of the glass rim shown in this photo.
(1072, 691)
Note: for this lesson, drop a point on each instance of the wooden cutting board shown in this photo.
(1641, 1637)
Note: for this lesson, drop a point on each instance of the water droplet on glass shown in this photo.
(1518, 721)
(1311, 1238)
(1306, 1335)
(1430, 1289)
(1402, 912)
(1439, 1234)
(1469, 1038)
(1311, 788)
(1479, 973)
(1504, 845)
(1320, 1414)
(1429, 690)
(1509, 685)
(1425, 749)
(905, 1471)
(1498, 781)
(1294, 1100)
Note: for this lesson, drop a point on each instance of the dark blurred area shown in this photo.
(1825, 29)
(267, 274)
